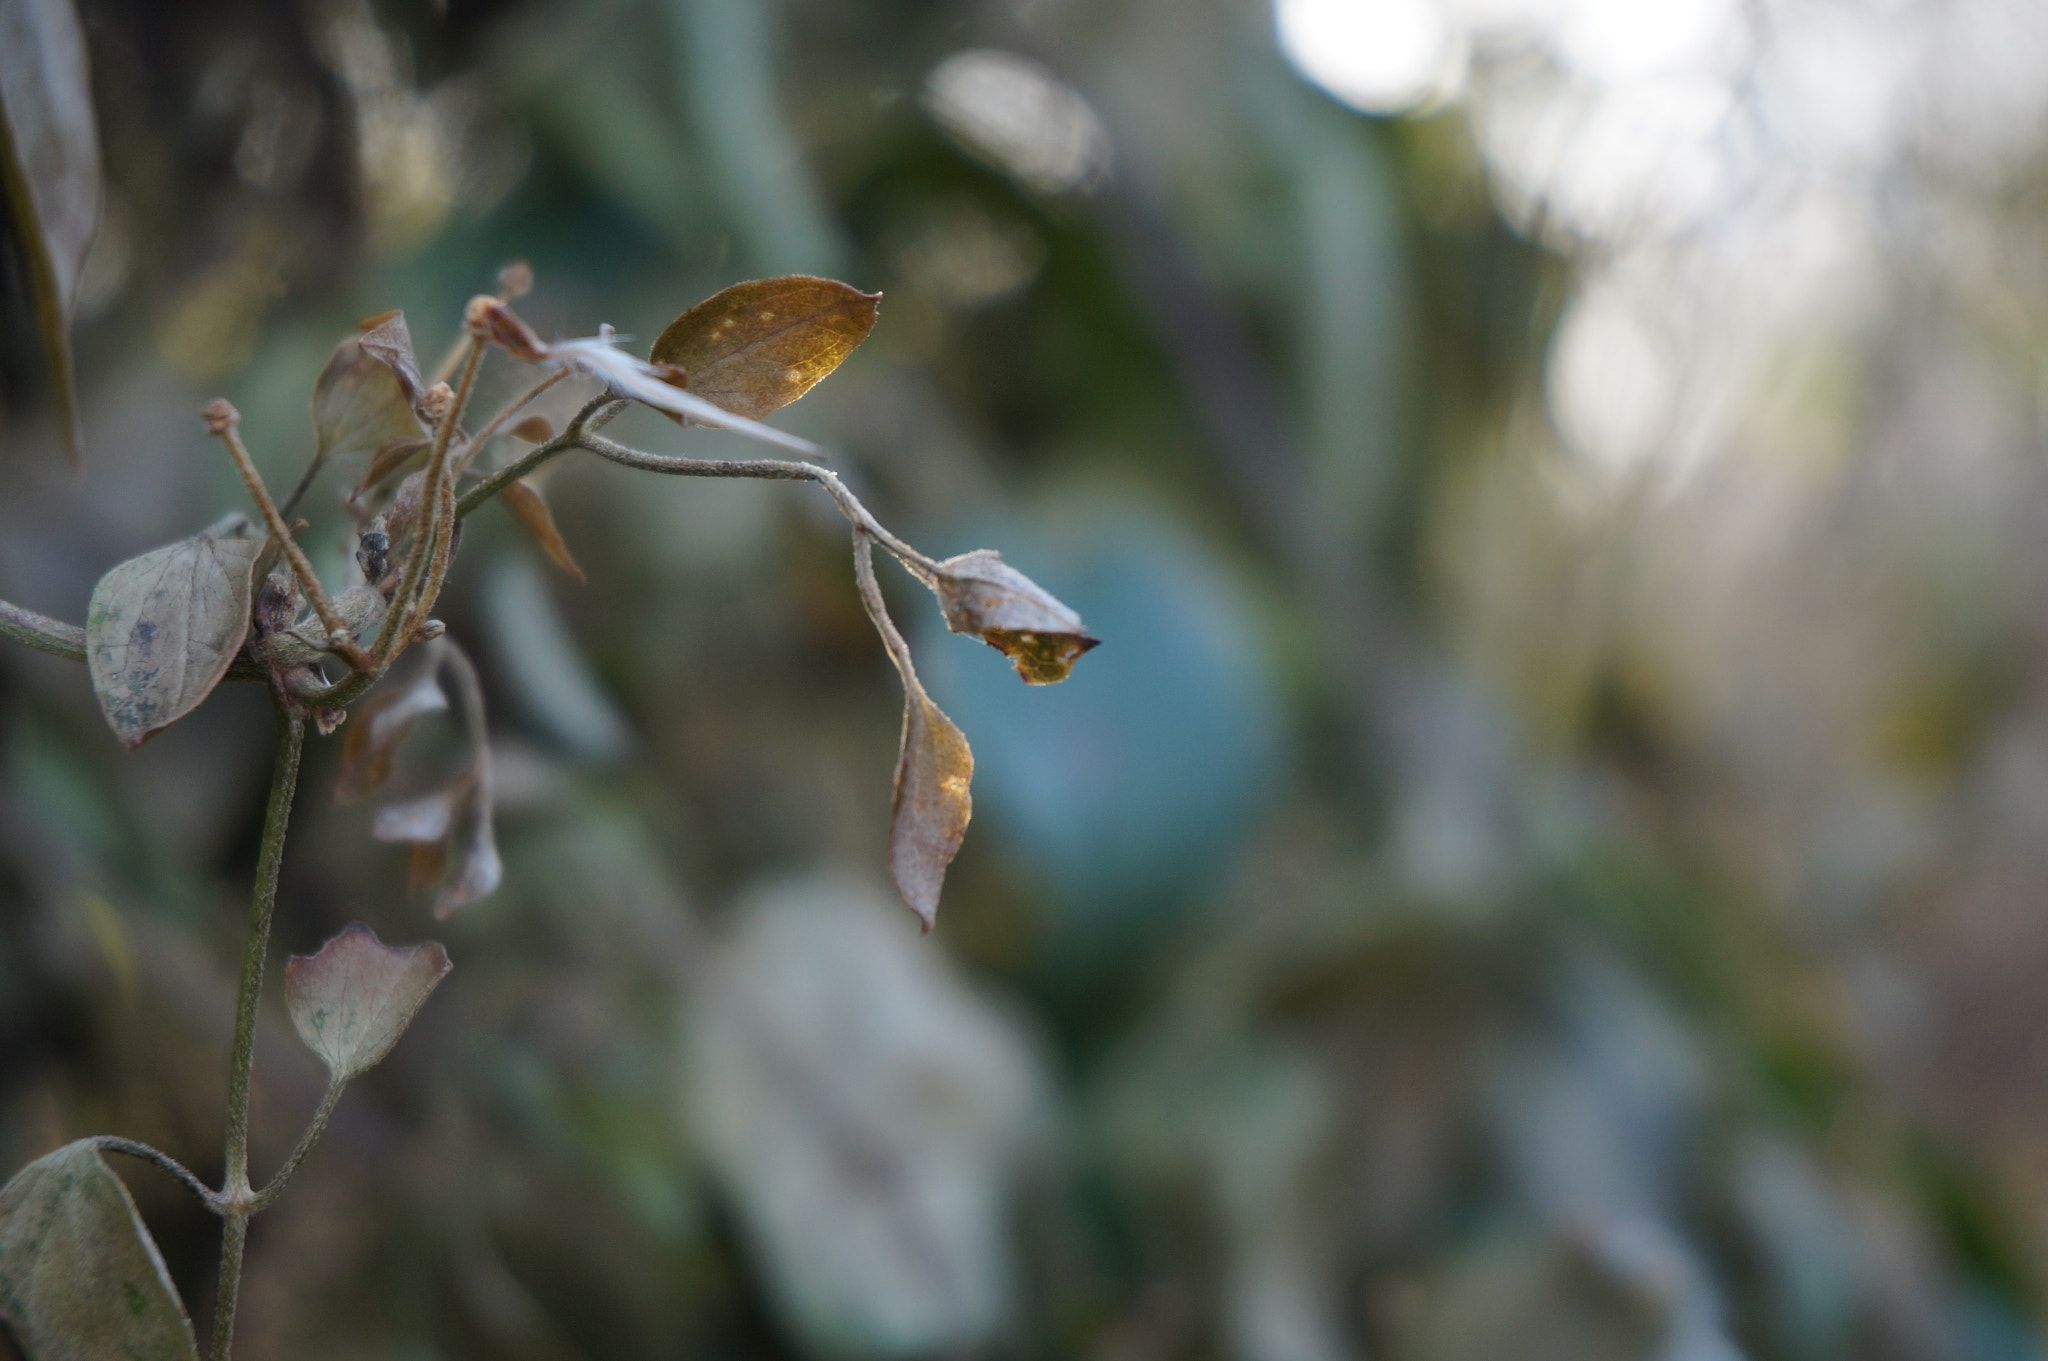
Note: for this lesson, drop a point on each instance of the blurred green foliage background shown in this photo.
(1547, 862)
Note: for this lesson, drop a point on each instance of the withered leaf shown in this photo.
(50, 173)
(982, 594)
(366, 397)
(934, 767)
(162, 628)
(760, 345)
(532, 509)
(80, 1277)
(480, 871)
(533, 429)
(424, 819)
(380, 728)
(390, 457)
(351, 999)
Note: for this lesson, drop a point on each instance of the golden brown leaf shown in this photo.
(532, 509)
(933, 768)
(760, 345)
(533, 429)
(982, 594)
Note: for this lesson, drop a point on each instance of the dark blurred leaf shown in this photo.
(50, 167)
(380, 727)
(532, 509)
(352, 999)
(163, 627)
(761, 345)
(933, 769)
(420, 821)
(982, 594)
(80, 1277)
(364, 399)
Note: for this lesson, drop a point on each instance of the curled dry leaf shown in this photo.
(351, 999)
(761, 345)
(369, 395)
(162, 628)
(933, 768)
(480, 871)
(80, 1277)
(421, 821)
(982, 594)
(50, 173)
(380, 728)
(532, 509)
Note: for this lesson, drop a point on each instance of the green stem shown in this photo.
(237, 1202)
(306, 1142)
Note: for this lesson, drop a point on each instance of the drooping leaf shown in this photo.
(50, 172)
(162, 628)
(351, 999)
(933, 768)
(380, 728)
(982, 594)
(366, 397)
(80, 1277)
(532, 509)
(762, 344)
(421, 820)
(480, 871)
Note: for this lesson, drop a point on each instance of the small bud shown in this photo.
(515, 280)
(534, 430)
(436, 400)
(221, 416)
(277, 603)
(373, 551)
(428, 630)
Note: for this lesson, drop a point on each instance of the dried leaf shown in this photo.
(534, 429)
(162, 628)
(390, 457)
(367, 397)
(352, 999)
(532, 509)
(50, 170)
(481, 870)
(933, 768)
(380, 728)
(761, 345)
(426, 865)
(420, 820)
(984, 595)
(80, 1277)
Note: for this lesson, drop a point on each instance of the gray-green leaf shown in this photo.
(162, 628)
(352, 999)
(80, 1277)
(50, 171)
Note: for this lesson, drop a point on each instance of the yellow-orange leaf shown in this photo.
(760, 345)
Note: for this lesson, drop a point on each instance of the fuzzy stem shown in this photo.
(440, 506)
(237, 1204)
(595, 413)
(41, 632)
(505, 413)
(134, 1149)
(312, 1135)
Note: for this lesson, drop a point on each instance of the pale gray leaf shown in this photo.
(423, 819)
(365, 398)
(162, 628)
(80, 1277)
(352, 999)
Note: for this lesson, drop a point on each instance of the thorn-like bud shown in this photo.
(221, 416)
(277, 602)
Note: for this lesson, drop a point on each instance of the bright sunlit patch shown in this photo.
(1611, 383)
(1627, 39)
(1016, 113)
(1379, 56)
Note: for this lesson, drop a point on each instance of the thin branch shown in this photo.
(223, 420)
(41, 632)
(505, 413)
(236, 1200)
(596, 413)
(441, 474)
(304, 484)
(114, 1144)
(922, 567)
(312, 1135)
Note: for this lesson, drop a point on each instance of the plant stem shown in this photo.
(595, 413)
(237, 1203)
(41, 632)
(134, 1149)
(312, 1135)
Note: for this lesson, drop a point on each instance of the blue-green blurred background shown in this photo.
(1549, 863)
